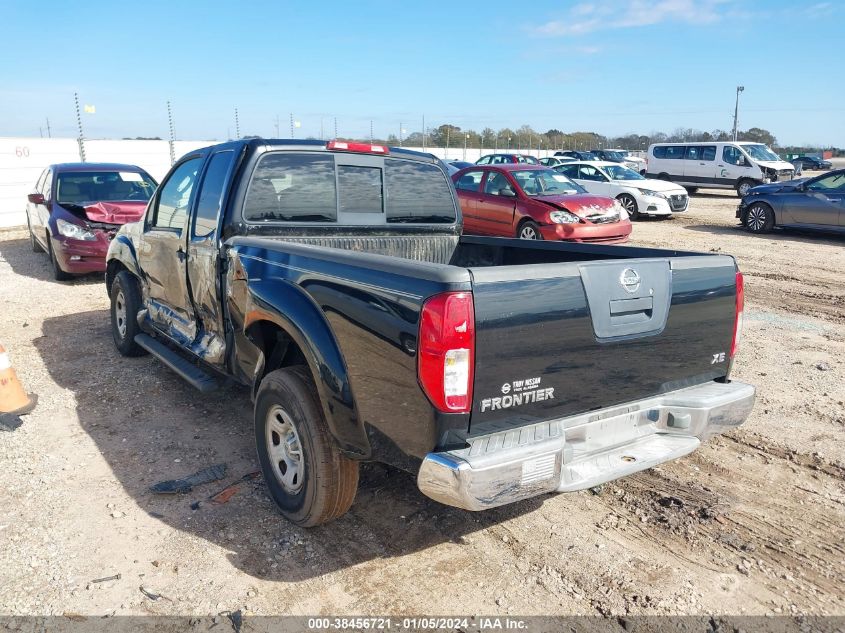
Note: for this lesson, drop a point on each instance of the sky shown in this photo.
(609, 66)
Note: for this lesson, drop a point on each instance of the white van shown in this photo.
(723, 165)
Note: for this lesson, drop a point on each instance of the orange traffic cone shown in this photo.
(14, 401)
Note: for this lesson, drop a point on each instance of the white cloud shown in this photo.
(619, 14)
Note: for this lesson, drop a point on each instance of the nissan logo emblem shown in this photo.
(630, 280)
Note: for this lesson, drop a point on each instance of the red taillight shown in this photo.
(740, 305)
(446, 351)
(364, 148)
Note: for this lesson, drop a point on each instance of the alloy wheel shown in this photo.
(120, 313)
(527, 232)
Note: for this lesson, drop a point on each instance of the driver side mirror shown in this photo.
(36, 198)
(507, 192)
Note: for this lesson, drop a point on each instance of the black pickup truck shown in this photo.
(333, 281)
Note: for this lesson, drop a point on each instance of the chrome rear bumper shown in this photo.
(582, 451)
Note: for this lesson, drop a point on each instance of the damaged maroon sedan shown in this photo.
(76, 208)
(536, 203)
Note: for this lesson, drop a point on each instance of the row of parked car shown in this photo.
(75, 209)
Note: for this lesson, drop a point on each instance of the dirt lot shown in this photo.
(754, 522)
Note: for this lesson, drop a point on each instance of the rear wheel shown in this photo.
(529, 231)
(125, 304)
(58, 273)
(759, 218)
(630, 205)
(307, 476)
(691, 190)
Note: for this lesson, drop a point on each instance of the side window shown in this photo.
(675, 151)
(659, 151)
(470, 181)
(211, 193)
(586, 172)
(570, 171)
(292, 188)
(47, 191)
(172, 203)
(40, 184)
(708, 152)
(693, 152)
(484, 161)
(732, 155)
(833, 183)
(495, 182)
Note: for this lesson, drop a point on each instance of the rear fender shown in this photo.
(289, 307)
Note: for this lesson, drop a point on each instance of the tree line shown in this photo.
(525, 137)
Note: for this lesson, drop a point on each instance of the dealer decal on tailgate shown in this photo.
(517, 393)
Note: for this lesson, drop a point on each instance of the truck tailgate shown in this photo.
(554, 340)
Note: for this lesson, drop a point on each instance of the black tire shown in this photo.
(324, 481)
(125, 304)
(691, 190)
(529, 231)
(744, 186)
(759, 218)
(58, 273)
(630, 205)
(664, 176)
(33, 243)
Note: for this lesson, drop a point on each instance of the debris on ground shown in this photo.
(106, 579)
(228, 492)
(185, 485)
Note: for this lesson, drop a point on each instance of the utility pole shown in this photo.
(736, 109)
(291, 124)
(172, 134)
(237, 125)
(49, 134)
(466, 138)
(372, 138)
(447, 142)
(277, 126)
(81, 138)
(335, 128)
(400, 133)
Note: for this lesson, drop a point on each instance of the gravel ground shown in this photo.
(753, 522)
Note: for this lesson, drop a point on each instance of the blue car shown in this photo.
(816, 203)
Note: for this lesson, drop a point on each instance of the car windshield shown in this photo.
(613, 155)
(78, 187)
(618, 172)
(545, 182)
(760, 152)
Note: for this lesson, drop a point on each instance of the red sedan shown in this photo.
(76, 208)
(536, 203)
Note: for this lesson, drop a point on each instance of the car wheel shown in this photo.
(58, 273)
(744, 186)
(307, 476)
(759, 218)
(125, 304)
(630, 205)
(691, 190)
(663, 176)
(33, 243)
(529, 231)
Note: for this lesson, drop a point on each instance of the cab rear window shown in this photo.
(290, 187)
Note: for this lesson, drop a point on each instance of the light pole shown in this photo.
(466, 138)
(736, 109)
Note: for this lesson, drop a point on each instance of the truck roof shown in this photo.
(315, 144)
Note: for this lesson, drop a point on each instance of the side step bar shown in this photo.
(198, 378)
